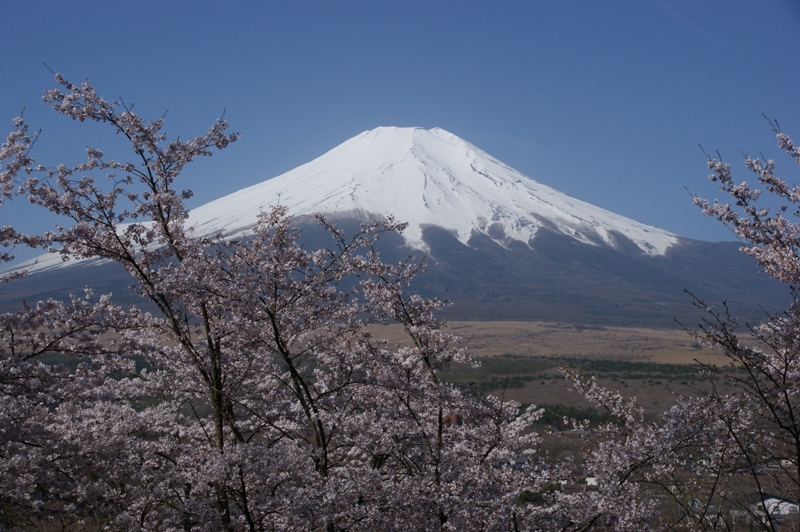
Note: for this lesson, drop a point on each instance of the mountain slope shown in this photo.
(499, 244)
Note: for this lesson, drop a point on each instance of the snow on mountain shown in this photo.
(425, 177)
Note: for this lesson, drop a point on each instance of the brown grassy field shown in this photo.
(544, 339)
(522, 361)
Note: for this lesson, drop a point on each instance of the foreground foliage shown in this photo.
(728, 460)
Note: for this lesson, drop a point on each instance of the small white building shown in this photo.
(775, 505)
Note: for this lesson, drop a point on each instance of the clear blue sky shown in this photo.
(604, 100)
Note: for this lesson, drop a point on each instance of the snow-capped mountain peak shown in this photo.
(427, 177)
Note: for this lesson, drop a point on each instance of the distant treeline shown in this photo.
(554, 415)
(513, 370)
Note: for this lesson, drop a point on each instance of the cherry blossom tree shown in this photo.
(760, 419)
(727, 457)
(248, 390)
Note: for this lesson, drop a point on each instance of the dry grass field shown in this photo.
(522, 361)
(557, 340)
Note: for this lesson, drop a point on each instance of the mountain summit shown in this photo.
(427, 177)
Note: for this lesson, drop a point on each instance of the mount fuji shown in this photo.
(427, 177)
(498, 243)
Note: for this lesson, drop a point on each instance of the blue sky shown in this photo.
(604, 100)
